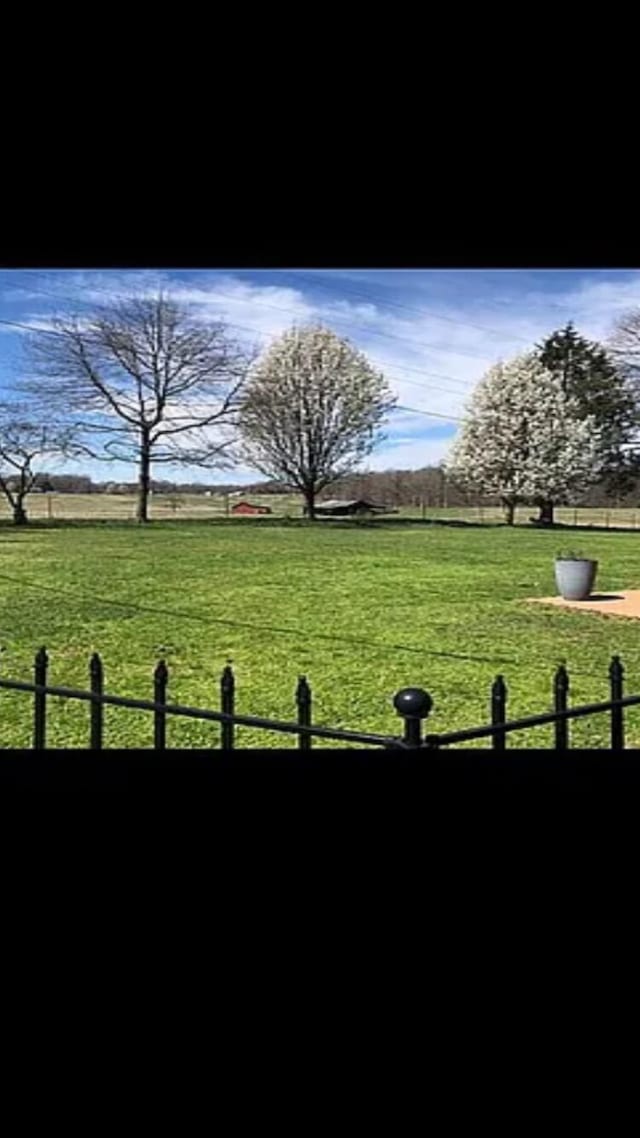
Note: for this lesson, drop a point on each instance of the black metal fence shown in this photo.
(500, 726)
(413, 705)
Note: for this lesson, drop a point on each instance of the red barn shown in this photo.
(249, 508)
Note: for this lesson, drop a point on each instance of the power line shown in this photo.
(397, 407)
(371, 331)
(405, 307)
(264, 335)
(30, 327)
(433, 414)
(295, 275)
(430, 414)
(349, 321)
(424, 371)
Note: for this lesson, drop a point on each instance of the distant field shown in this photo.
(122, 507)
(116, 507)
(362, 611)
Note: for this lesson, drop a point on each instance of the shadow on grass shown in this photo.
(240, 522)
(39, 524)
(333, 638)
(561, 528)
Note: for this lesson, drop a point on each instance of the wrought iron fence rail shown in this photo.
(206, 714)
(548, 717)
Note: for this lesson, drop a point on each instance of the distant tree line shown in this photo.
(429, 486)
(432, 487)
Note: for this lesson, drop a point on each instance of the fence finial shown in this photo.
(498, 711)
(303, 691)
(616, 668)
(414, 702)
(97, 709)
(616, 683)
(303, 701)
(414, 705)
(499, 689)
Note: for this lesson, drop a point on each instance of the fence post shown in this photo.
(303, 700)
(498, 711)
(616, 678)
(97, 708)
(227, 700)
(560, 692)
(40, 700)
(414, 705)
(160, 678)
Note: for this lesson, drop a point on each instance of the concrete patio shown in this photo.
(626, 602)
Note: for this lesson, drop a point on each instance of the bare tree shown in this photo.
(22, 440)
(311, 410)
(148, 382)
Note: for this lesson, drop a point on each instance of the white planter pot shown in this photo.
(575, 579)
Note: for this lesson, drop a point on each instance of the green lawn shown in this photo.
(362, 610)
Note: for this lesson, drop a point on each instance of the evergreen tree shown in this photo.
(590, 377)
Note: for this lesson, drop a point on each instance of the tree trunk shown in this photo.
(19, 514)
(509, 510)
(546, 513)
(143, 481)
(310, 498)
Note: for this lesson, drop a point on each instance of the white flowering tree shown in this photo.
(523, 438)
(311, 410)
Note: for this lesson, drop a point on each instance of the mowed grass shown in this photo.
(362, 610)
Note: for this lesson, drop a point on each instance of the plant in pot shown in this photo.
(575, 575)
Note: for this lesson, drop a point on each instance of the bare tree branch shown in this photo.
(23, 439)
(143, 369)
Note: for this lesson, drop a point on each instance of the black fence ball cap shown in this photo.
(413, 701)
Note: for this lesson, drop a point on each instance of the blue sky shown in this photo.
(433, 332)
